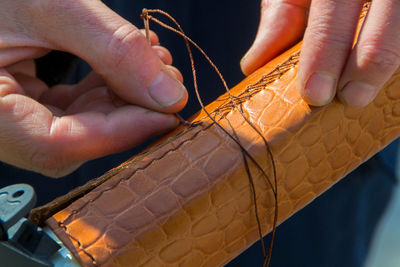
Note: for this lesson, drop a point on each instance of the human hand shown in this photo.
(54, 130)
(328, 63)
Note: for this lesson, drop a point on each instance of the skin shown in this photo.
(131, 94)
(329, 64)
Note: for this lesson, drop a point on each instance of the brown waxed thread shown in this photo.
(233, 102)
(266, 259)
(146, 16)
(147, 32)
(253, 189)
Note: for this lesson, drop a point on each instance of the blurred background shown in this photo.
(385, 248)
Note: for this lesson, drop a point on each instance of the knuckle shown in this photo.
(384, 59)
(123, 41)
(322, 36)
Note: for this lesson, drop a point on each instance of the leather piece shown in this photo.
(188, 202)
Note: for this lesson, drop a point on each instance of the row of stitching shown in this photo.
(249, 92)
(255, 88)
(265, 80)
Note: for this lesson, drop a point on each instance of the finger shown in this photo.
(90, 135)
(24, 73)
(174, 71)
(116, 49)
(98, 99)
(282, 24)
(9, 56)
(152, 36)
(33, 87)
(27, 67)
(63, 95)
(8, 84)
(326, 46)
(375, 57)
(36, 140)
(163, 54)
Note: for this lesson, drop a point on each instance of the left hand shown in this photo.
(54, 130)
(329, 65)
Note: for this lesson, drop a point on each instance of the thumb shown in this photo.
(114, 48)
(282, 24)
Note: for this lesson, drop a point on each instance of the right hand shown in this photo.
(54, 130)
(334, 60)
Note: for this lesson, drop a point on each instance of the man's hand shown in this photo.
(123, 102)
(328, 63)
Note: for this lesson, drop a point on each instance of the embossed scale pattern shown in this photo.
(189, 202)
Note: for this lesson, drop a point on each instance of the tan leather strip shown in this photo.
(189, 203)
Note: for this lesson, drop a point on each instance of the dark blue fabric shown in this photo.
(390, 159)
(335, 229)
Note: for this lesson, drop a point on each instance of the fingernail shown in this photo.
(319, 89)
(165, 90)
(358, 94)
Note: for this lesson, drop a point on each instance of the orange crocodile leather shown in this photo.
(189, 202)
